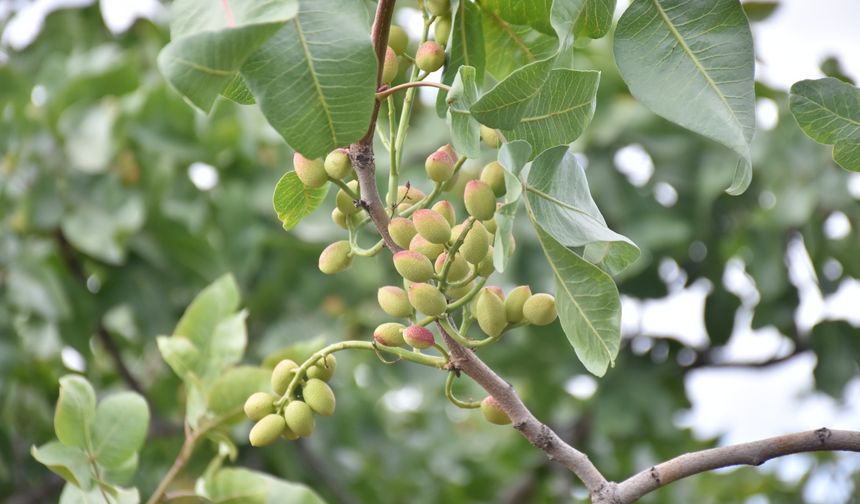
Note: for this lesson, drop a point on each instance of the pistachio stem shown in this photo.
(406, 85)
(449, 259)
(449, 393)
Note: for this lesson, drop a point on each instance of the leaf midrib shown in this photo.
(304, 43)
(556, 113)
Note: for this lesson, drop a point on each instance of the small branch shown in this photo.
(390, 91)
(706, 360)
(178, 464)
(754, 453)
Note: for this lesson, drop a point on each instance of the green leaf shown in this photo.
(230, 390)
(294, 201)
(120, 428)
(560, 111)
(89, 135)
(243, 486)
(503, 105)
(226, 346)
(828, 111)
(836, 345)
(465, 130)
(180, 354)
(589, 307)
(692, 63)
(238, 92)
(466, 48)
(595, 20)
(315, 80)
(115, 495)
(122, 473)
(211, 41)
(68, 462)
(76, 410)
(214, 303)
(513, 156)
(104, 232)
(560, 199)
(535, 13)
(509, 47)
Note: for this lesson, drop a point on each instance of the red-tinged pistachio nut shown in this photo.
(413, 266)
(389, 66)
(476, 243)
(458, 270)
(344, 201)
(480, 200)
(418, 336)
(432, 226)
(319, 396)
(493, 175)
(393, 301)
(493, 412)
(267, 430)
(336, 257)
(427, 299)
(389, 334)
(439, 166)
(490, 137)
(299, 418)
(398, 39)
(258, 405)
(429, 250)
(446, 209)
(282, 374)
(409, 194)
(539, 309)
(514, 303)
(430, 56)
(402, 230)
(337, 164)
(310, 171)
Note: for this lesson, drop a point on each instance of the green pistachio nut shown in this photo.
(338, 218)
(458, 292)
(486, 267)
(410, 194)
(490, 137)
(480, 200)
(402, 230)
(514, 303)
(319, 396)
(493, 175)
(267, 430)
(389, 334)
(439, 166)
(258, 405)
(310, 171)
(288, 434)
(282, 375)
(476, 243)
(493, 412)
(393, 301)
(398, 39)
(413, 266)
(300, 418)
(442, 29)
(439, 7)
(324, 368)
(336, 257)
(446, 209)
(429, 250)
(490, 312)
(432, 226)
(419, 337)
(427, 299)
(430, 56)
(539, 309)
(389, 66)
(344, 201)
(458, 270)
(337, 164)
(491, 226)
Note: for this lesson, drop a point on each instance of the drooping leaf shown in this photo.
(828, 111)
(466, 48)
(534, 13)
(120, 428)
(513, 156)
(294, 201)
(236, 486)
(315, 79)
(68, 462)
(465, 130)
(560, 111)
(692, 63)
(76, 410)
(560, 199)
(595, 20)
(210, 41)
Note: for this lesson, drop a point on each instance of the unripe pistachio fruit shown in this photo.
(258, 405)
(539, 309)
(418, 337)
(413, 266)
(439, 7)
(324, 368)
(491, 226)
(338, 218)
(310, 171)
(409, 194)
(430, 56)
(389, 334)
(427, 299)
(299, 418)
(267, 430)
(389, 66)
(432, 226)
(493, 175)
(458, 269)
(282, 374)
(337, 164)
(493, 412)
(490, 313)
(442, 29)
(439, 166)
(288, 434)
(336, 257)
(398, 39)
(319, 396)
(514, 303)
(402, 230)
(345, 202)
(480, 200)
(476, 243)
(458, 292)
(490, 137)
(429, 250)
(446, 209)
(393, 301)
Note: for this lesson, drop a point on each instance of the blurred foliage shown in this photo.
(105, 238)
